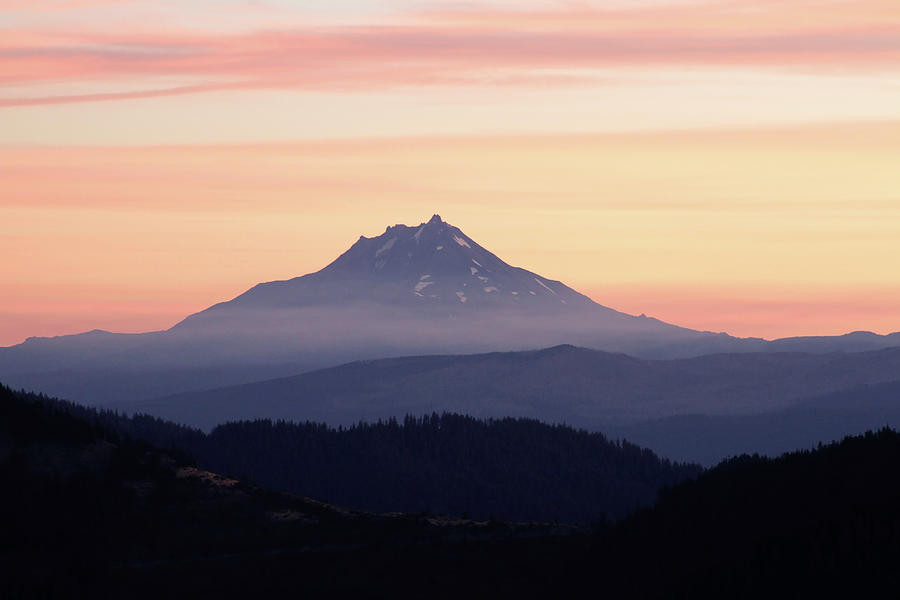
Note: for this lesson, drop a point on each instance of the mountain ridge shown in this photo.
(585, 388)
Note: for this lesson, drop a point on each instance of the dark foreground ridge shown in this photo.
(87, 513)
(509, 469)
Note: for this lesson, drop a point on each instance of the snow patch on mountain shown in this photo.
(387, 246)
(461, 241)
(541, 283)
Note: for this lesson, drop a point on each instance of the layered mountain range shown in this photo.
(426, 289)
(700, 409)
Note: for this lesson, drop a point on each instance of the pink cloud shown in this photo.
(58, 5)
(459, 48)
(722, 16)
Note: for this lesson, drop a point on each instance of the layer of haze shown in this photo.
(720, 164)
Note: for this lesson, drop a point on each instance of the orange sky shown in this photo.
(720, 164)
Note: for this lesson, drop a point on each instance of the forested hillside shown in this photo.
(88, 513)
(820, 523)
(511, 469)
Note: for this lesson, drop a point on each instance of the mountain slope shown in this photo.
(565, 384)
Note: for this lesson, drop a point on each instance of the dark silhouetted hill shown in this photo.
(88, 513)
(509, 469)
(811, 524)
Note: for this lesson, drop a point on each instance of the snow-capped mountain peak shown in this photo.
(430, 264)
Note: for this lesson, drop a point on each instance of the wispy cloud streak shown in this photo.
(459, 48)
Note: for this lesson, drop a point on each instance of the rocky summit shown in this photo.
(433, 264)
